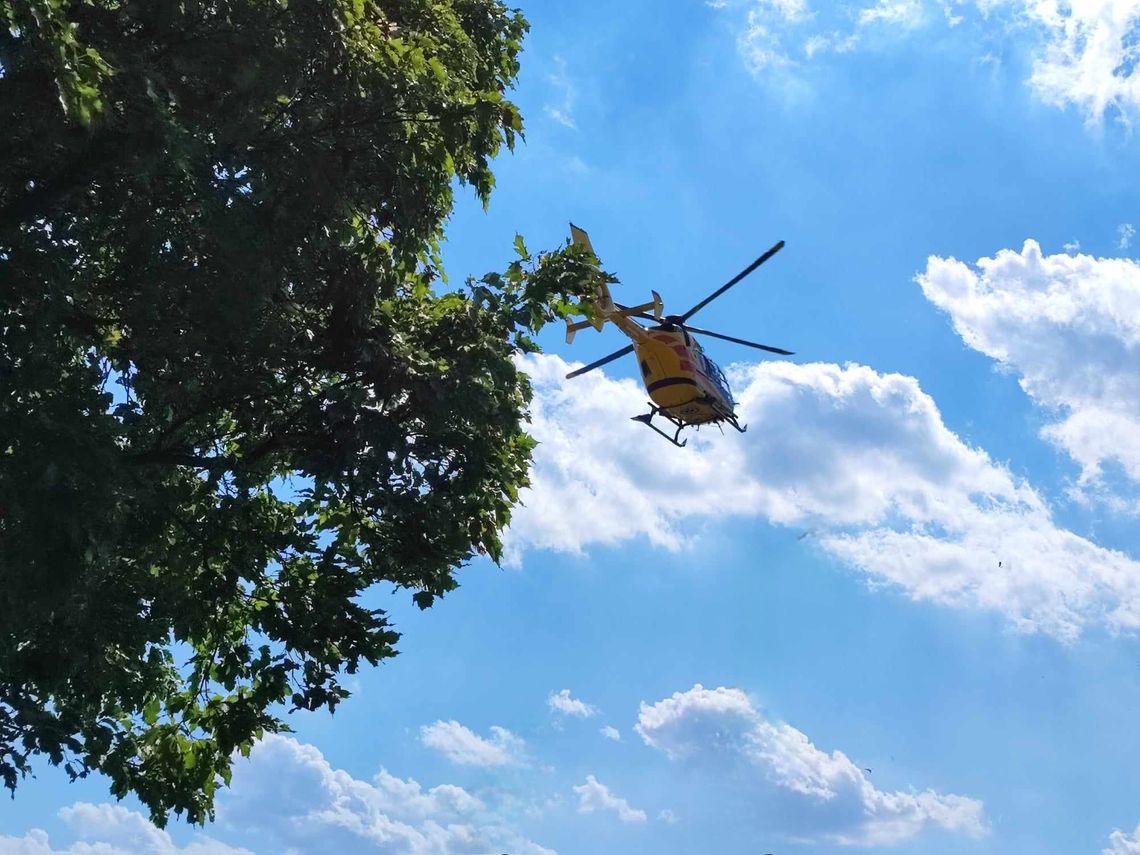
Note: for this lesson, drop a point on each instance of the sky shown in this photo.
(901, 612)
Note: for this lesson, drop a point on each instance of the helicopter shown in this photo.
(686, 388)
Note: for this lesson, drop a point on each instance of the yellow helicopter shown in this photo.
(685, 387)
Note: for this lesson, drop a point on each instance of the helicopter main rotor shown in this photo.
(680, 321)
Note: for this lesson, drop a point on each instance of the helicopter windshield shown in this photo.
(715, 374)
(718, 377)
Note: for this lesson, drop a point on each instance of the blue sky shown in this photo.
(706, 649)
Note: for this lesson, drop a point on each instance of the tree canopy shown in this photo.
(235, 393)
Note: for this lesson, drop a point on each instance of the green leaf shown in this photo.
(151, 711)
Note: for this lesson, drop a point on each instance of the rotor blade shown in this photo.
(617, 354)
(691, 328)
(732, 281)
(739, 341)
(641, 311)
(645, 316)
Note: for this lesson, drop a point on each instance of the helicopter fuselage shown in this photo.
(680, 379)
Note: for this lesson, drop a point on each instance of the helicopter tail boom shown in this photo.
(607, 310)
(604, 308)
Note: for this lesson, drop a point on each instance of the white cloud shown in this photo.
(902, 13)
(789, 10)
(869, 465)
(612, 733)
(771, 24)
(595, 796)
(760, 44)
(290, 796)
(565, 94)
(107, 829)
(1124, 234)
(1120, 843)
(667, 816)
(707, 725)
(290, 799)
(1090, 54)
(1084, 54)
(834, 42)
(1070, 327)
(1088, 51)
(561, 702)
(36, 842)
(461, 745)
(953, 19)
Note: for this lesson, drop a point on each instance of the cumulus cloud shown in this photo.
(595, 796)
(1124, 234)
(870, 467)
(1120, 843)
(462, 745)
(612, 733)
(290, 796)
(111, 830)
(712, 725)
(1069, 326)
(561, 702)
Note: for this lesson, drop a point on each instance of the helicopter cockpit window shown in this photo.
(713, 371)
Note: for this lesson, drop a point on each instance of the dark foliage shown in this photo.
(233, 394)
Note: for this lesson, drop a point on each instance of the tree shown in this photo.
(234, 393)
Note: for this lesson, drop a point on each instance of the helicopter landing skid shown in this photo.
(732, 421)
(647, 420)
